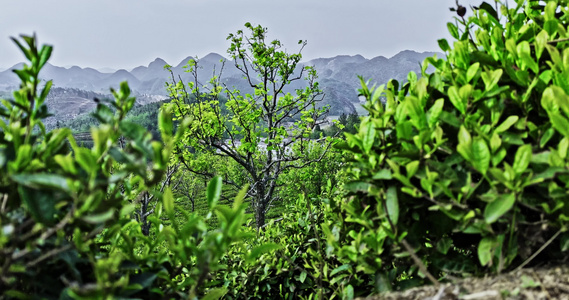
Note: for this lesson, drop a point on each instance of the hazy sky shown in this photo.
(129, 33)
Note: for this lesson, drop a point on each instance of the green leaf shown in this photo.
(443, 44)
(485, 250)
(490, 10)
(45, 54)
(497, 208)
(42, 180)
(367, 130)
(444, 244)
(450, 119)
(383, 174)
(40, 204)
(260, 250)
(480, 155)
(168, 201)
(564, 242)
(392, 204)
(215, 294)
(472, 71)
(434, 112)
(165, 122)
(127, 209)
(464, 146)
(456, 100)
(491, 78)
(348, 293)
(339, 269)
(540, 42)
(358, 186)
(559, 95)
(495, 142)
(302, 276)
(511, 120)
(416, 112)
(26, 51)
(214, 191)
(560, 123)
(522, 159)
(104, 114)
(453, 30)
(548, 100)
(99, 218)
(412, 168)
(547, 135)
(46, 90)
(133, 131)
(527, 61)
(551, 26)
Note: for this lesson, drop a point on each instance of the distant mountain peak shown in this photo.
(411, 53)
(214, 57)
(184, 61)
(157, 63)
(122, 74)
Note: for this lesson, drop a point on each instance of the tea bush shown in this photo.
(67, 229)
(464, 170)
(296, 265)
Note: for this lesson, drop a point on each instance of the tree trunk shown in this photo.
(260, 214)
(144, 224)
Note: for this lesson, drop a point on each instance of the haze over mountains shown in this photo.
(337, 77)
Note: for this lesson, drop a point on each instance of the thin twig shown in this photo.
(558, 41)
(48, 254)
(4, 201)
(419, 263)
(527, 261)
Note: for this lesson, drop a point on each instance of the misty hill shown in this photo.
(337, 77)
(69, 103)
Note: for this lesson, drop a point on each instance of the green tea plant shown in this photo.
(66, 212)
(464, 170)
(295, 263)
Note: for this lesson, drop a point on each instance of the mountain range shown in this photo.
(338, 78)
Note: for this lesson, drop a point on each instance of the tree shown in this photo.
(264, 132)
(352, 121)
(148, 199)
(343, 119)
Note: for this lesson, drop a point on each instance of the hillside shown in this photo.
(338, 77)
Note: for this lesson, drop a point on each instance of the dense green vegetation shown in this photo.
(145, 115)
(266, 133)
(460, 172)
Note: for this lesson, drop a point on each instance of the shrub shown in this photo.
(464, 170)
(67, 229)
(296, 264)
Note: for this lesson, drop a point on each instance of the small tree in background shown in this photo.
(265, 132)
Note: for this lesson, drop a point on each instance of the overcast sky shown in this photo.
(129, 33)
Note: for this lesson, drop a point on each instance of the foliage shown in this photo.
(312, 179)
(464, 170)
(295, 265)
(67, 229)
(144, 115)
(459, 172)
(263, 132)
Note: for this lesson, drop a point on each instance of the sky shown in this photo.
(128, 33)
